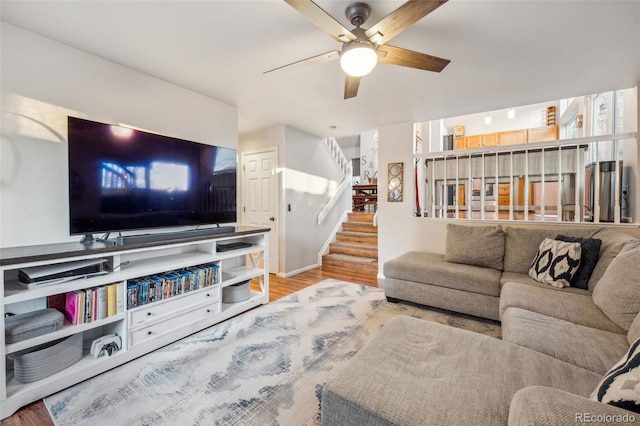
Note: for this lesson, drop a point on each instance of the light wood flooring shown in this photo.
(36, 414)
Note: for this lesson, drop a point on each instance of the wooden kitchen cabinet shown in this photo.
(460, 142)
(540, 134)
(490, 139)
(512, 137)
(474, 141)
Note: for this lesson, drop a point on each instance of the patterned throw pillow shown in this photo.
(556, 262)
(588, 258)
(621, 385)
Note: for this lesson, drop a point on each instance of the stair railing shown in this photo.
(345, 166)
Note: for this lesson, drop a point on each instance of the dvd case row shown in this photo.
(144, 290)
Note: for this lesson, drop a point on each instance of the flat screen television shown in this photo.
(123, 179)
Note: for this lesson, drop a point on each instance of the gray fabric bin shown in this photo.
(32, 324)
(237, 292)
(45, 360)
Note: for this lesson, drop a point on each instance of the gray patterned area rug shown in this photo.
(264, 367)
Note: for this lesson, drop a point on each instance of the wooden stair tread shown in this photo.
(359, 227)
(368, 217)
(360, 223)
(357, 237)
(350, 259)
(357, 234)
(355, 245)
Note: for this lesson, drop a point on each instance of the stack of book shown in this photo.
(93, 304)
(149, 289)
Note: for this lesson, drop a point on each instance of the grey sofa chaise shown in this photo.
(556, 346)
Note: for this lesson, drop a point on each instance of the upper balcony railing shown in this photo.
(577, 180)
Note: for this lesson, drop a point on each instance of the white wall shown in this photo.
(44, 81)
(398, 230)
(351, 152)
(311, 178)
(368, 156)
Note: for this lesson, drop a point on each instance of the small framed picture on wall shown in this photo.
(395, 182)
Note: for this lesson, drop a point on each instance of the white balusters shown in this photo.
(539, 164)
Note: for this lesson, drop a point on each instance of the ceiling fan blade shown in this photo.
(401, 18)
(351, 85)
(322, 19)
(324, 57)
(409, 58)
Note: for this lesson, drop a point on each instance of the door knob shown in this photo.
(272, 218)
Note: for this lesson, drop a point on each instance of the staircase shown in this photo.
(356, 247)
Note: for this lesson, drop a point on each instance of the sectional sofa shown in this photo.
(557, 361)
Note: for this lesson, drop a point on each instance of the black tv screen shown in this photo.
(124, 179)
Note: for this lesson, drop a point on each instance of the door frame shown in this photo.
(275, 236)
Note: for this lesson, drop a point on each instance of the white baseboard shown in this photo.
(297, 271)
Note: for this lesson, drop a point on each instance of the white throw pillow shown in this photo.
(621, 385)
(556, 262)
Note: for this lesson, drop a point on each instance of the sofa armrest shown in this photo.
(539, 405)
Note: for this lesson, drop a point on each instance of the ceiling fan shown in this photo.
(363, 48)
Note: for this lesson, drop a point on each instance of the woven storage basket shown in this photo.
(32, 324)
(46, 361)
(236, 292)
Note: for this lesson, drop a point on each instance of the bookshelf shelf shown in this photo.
(142, 328)
(231, 309)
(66, 330)
(239, 274)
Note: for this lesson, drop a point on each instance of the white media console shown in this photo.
(143, 328)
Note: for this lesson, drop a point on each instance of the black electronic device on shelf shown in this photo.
(232, 245)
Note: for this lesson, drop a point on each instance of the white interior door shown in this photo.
(260, 189)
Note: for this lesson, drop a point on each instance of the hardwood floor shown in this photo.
(36, 414)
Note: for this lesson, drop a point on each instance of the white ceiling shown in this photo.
(503, 54)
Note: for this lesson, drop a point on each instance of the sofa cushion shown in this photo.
(576, 307)
(466, 302)
(545, 406)
(526, 279)
(586, 347)
(556, 262)
(431, 268)
(621, 385)
(475, 245)
(588, 259)
(521, 244)
(618, 291)
(416, 372)
(612, 242)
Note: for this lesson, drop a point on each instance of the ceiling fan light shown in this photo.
(358, 58)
